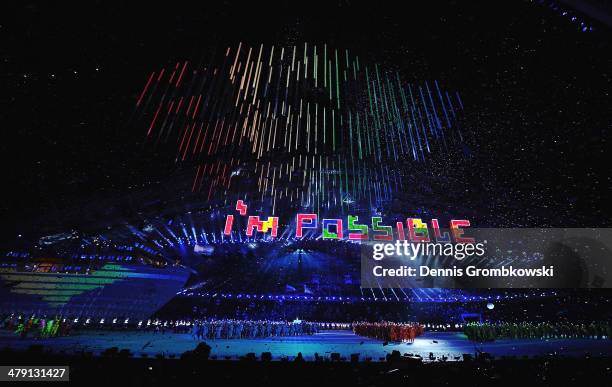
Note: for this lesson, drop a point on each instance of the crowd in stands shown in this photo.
(527, 330)
(389, 331)
(584, 306)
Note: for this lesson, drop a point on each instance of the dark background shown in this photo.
(536, 91)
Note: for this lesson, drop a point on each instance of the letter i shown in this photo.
(229, 222)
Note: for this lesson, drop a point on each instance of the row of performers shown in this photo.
(40, 327)
(538, 330)
(241, 329)
(389, 331)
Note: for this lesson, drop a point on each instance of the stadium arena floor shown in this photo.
(450, 344)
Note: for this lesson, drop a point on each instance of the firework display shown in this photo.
(310, 125)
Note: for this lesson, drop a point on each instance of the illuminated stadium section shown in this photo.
(92, 287)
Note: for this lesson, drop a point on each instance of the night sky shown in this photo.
(536, 91)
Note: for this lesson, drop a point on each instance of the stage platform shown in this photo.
(451, 345)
